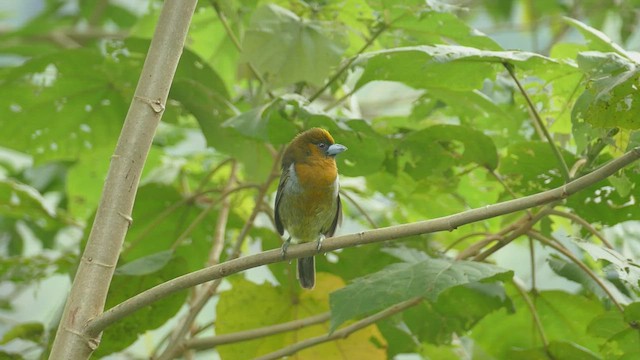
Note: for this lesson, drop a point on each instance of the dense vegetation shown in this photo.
(439, 119)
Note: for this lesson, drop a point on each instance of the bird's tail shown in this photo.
(307, 272)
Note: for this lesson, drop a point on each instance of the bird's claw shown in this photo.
(320, 240)
(285, 246)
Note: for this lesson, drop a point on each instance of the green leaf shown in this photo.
(31, 331)
(566, 350)
(146, 265)
(530, 167)
(596, 39)
(610, 97)
(286, 49)
(64, 104)
(564, 317)
(20, 201)
(437, 148)
(627, 269)
(451, 67)
(632, 313)
(403, 281)
(126, 331)
(574, 273)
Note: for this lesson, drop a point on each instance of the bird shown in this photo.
(307, 201)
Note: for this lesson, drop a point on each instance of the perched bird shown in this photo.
(307, 201)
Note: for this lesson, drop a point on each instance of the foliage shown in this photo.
(435, 124)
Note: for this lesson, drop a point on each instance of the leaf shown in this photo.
(249, 306)
(564, 317)
(20, 201)
(567, 350)
(126, 331)
(574, 273)
(622, 341)
(531, 167)
(596, 39)
(83, 87)
(610, 97)
(286, 49)
(145, 265)
(450, 67)
(30, 331)
(437, 148)
(404, 281)
(627, 269)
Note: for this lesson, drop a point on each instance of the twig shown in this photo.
(584, 223)
(561, 249)
(536, 116)
(202, 297)
(213, 341)
(360, 209)
(447, 223)
(74, 341)
(343, 333)
(534, 315)
(346, 65)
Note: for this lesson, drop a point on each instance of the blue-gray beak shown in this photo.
(335, 149)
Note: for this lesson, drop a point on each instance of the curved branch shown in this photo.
(448, 223)
(209, 342)
(342, 333)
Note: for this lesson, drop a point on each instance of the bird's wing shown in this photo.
(337, 219)
(276, 210)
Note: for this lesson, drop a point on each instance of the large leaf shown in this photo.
(403, 281)
(436, 149)
(61, 105)
(627, 269)
(565, 317)
(447, 66)
(611, 98)
(286, 49)
(248, 306)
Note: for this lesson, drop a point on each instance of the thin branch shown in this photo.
(532, 263)
(113, 218)
(561, 249)
(536, 116)
(213, 341)
(204, 295)
(534, 315)
(342, 333)
(584, 223)
(360, 209)
(236, 42)
(346, 65)
(447, 223)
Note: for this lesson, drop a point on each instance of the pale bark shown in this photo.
(74, 340)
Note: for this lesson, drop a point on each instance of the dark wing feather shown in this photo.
(276, 210)
(337, 219)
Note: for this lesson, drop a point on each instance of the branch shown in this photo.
(213, 341)
(343, 333)
(91, 284)
(447, 223)
(561, 249)
(346, 65)
(556, 152)
(584, 223)
(534, 314)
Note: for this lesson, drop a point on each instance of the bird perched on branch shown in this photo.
(307, 201)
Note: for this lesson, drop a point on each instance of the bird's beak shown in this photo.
(335, 149)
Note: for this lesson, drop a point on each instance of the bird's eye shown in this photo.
(322, 145)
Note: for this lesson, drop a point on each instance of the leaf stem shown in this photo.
(536, 116)
(534, 315)
(346, 65)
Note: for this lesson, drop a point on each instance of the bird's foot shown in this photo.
(285, 246)
(320, 240)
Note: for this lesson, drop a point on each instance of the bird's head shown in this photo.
(315, 143)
